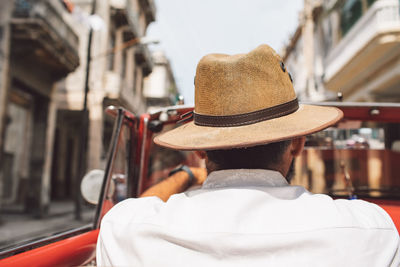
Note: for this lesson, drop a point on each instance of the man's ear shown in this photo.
(201, 154)
(297, 146)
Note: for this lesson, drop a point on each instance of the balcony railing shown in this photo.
(45, 24)
(382, 18)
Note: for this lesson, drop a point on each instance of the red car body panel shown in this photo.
(391, 207)
(73, 251)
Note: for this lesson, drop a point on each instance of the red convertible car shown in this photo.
(358, 158)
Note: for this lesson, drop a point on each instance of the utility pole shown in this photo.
(6, 10)
(84, 124)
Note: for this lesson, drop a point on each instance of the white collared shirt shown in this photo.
(247, 218)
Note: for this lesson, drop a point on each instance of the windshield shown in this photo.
(119, 186)
(356, 158)
(163, 160)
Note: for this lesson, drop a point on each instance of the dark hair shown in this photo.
(257, 157)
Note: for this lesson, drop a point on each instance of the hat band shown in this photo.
(247, 118)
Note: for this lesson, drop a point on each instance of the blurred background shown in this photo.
(62, 62)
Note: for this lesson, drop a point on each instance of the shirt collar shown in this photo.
(244, 178)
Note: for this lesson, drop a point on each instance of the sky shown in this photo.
(189, 29)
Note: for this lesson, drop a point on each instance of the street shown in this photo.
(17, 227)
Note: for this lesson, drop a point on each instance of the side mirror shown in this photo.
(91, 186)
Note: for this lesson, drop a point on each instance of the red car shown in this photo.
(355, 159)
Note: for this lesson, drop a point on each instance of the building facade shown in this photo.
(119, 62)
(44, 57)
(38, 48)
(351, 47)
(159, 87)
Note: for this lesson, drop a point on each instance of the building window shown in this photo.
(351, 12)
(110, 56)
(370, 2)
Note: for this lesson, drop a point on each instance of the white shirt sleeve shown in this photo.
(102, 258)
(396, 259)
(115, 229)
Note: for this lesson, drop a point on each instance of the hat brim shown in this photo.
(306, 120)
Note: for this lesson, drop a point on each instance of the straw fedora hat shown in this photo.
(245, 100)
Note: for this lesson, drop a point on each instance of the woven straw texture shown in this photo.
(230, 85)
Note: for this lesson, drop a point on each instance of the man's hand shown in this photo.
(200, 175)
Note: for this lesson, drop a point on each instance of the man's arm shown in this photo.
(176, 183)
